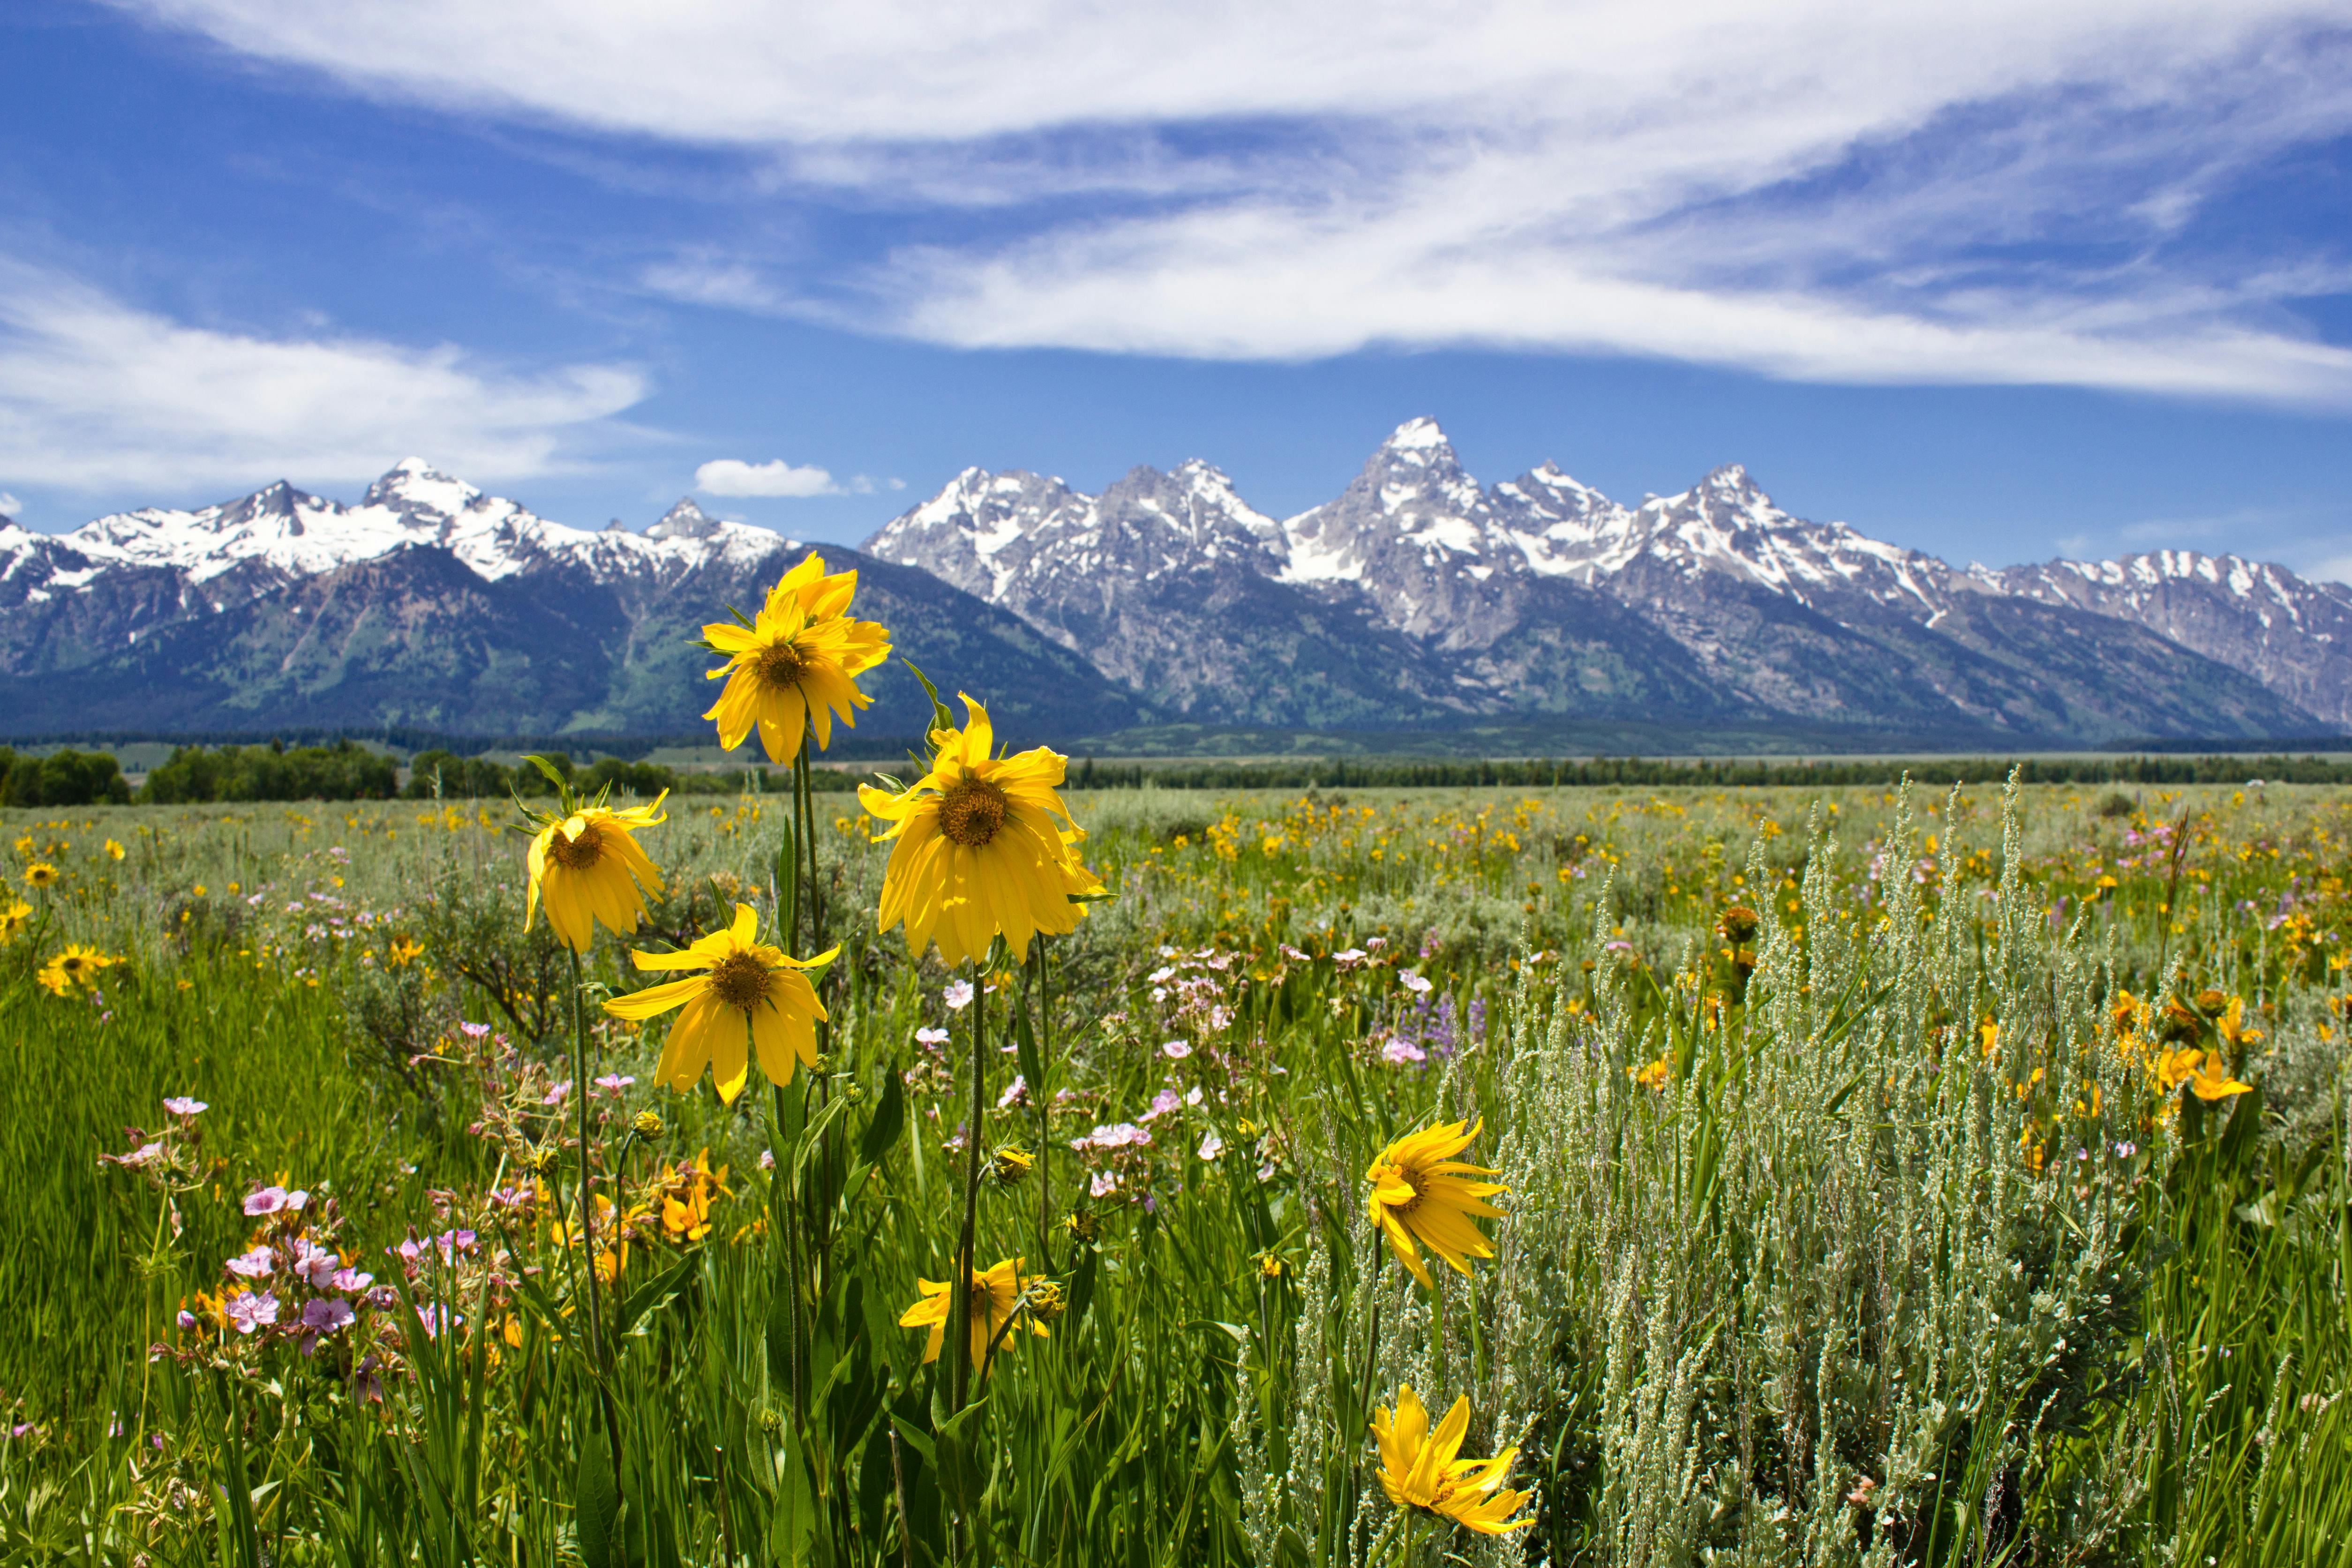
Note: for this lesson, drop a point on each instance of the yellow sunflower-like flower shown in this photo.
(589, 866)
(75, 966)
(746, 990)
(1421, 1193)
(794, 668)
(14, 916)
(995, 1296)
(40, 873)
(985, 847)
(1419, 1469)
(2204, 1071)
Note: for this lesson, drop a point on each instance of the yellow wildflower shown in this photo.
(1418, 1469)
(589, 867)
(985, 847)
(996, 1296)
(746, 989)
(1421, 1193)
(791, 670)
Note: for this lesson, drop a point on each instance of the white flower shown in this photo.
(1416, 982)
(1212, 1146)
(958, 995)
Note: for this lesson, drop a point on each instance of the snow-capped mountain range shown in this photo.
(1418, 599)
(431, 605)
(1426, 593)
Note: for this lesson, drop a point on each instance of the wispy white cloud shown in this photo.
(9, 505)
(96, 392)
(1836, 190)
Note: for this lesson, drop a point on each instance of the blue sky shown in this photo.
(2046, 278)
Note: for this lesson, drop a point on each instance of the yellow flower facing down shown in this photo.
(794, 668)
(114, 852)
(1422, 1193)
(995, 1296)
(984, 847)
(1418, 1469)
(746, 989)
(588, 866)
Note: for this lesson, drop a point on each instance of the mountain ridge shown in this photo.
(1417, 601)
(1542, 595)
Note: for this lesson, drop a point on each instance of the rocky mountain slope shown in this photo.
(1417, 600)
(430, 604)
(1419, 597)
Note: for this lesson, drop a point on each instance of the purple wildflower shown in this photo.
(250, 1310)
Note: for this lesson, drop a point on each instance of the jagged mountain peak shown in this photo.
(1728, 495)
(415, 488)
(1417, 434)
(685, 520)
(275, 501)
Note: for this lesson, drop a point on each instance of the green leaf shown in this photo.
(914, 1437)
(547, 770)
(940, 717)
(889, 1120)
(1081, 1285)
(655, 1292)
(597, 1499)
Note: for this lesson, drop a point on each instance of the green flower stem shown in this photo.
(960, 1319)
(1044, 1112)
(599, 1371)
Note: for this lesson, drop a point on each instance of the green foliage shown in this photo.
(1546, 773)
(63, 778)
(442, 775)
(343, 771)
(458, 777)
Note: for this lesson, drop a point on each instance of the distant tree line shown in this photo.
(444, 775)
(343, 771)
(1440, 773)
(61, 778)
(349, 771)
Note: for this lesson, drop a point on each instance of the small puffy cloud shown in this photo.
(95, 392)
(733, 477)
(9, 505)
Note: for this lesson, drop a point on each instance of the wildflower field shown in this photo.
(1581, 1175)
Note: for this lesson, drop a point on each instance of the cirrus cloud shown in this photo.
(1826, 189)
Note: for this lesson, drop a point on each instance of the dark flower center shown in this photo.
(972, 811)
(739, 980)
(580, 853)
(779, 664)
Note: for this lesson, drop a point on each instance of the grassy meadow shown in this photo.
(1892, 1178)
